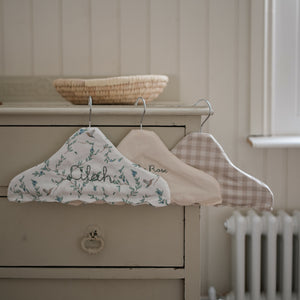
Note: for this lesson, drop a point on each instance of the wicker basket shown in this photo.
(114, 90)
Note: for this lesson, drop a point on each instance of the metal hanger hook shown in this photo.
(144, 102)
(209, 112)
(90, 113)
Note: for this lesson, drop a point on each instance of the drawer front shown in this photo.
(91, 289)
(23, 147)
(50, 234)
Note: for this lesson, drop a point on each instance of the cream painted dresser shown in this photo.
(149, 253)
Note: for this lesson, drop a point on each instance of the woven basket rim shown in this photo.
(121, 89)
(96, 82)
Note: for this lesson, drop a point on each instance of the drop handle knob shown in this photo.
(92, 242)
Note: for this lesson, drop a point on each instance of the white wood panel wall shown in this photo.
(204, 48)
(105, 37)
(47, 37)
(134, 37)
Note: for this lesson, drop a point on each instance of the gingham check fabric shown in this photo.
(202, 151)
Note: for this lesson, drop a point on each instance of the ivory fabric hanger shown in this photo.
(88, 168)
(202, 151)
(187, 184)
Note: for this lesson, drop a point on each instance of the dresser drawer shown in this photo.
(50, 234)
(91, 289)
(23, 147)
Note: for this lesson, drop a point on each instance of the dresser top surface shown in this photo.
(57, 108)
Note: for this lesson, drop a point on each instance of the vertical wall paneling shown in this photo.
(248, 159)
(276, 170)
(257, 71)
(243, 87)
(223, 96)
(17, 37)
(105, 35)
(76, 37)
(164, 42)
(46, 37)
(222, 71)
(193, 50)
(134, 24)
(293, 177)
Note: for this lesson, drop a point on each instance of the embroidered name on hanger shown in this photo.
(86, 174)
(154, 169)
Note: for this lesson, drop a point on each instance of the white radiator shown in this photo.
(265, 255)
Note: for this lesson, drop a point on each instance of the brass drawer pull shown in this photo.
(92, 242)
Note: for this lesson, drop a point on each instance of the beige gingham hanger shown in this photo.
(202, 151)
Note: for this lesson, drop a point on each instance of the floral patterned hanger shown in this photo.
(88, 168)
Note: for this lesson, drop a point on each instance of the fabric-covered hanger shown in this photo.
(187, 184)
(88, 168)
(202, 151)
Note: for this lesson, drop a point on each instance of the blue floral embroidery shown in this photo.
(59, 199)
(125, 185)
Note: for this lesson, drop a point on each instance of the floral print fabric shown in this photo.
(90, 169)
